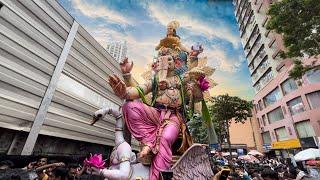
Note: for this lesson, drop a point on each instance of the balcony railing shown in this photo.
(253, 39)
(267, 78)
(259, 62)
(256, 47)
(239, 10)
(263, 68)
(257, 88)
(255, 77)
(244, 12)
(245, 25)
(260, 70)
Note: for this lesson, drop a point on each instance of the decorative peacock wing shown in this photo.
(212, 83)
(202, 61)
(193, 164)
(208, 70)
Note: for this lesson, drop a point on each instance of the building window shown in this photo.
(305, 129)
(281, 134)
(296, 106)
(266, 137)
(288, 86)
(314, 99)
(260, 105)
(256, 107)
(313, 76)
(272, 97)
(275, 115)
(264, 120)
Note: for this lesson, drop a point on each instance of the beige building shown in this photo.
(247, 133)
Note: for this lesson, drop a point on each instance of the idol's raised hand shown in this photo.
(126, 66)
(118, 86)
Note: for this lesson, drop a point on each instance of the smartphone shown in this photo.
(224, 174)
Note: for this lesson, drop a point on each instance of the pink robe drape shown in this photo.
(146, 123)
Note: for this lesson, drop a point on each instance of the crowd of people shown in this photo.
(45, 169)
(263, 169)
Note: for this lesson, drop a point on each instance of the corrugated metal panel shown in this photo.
(30, 44)
(32, 36)
(91, 65)
(82, 90)
(71, 113)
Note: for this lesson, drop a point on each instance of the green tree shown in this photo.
(227, 108)
(299, 23)
(199, 129)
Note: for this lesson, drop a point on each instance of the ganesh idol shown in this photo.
(156, 112)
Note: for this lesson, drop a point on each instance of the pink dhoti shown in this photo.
(156, 128)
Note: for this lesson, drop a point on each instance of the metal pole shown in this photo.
(45, 103)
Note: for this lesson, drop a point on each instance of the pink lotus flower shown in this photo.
(95, 160)
(203, 83)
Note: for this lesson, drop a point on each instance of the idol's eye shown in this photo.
(169, 58)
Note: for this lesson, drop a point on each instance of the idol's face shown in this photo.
(170, 30)
(166, 61)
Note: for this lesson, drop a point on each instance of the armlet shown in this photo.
(124, 158)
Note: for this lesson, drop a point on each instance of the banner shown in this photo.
(288, 144)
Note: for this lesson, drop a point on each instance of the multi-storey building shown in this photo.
(117, 49)
(288, 111)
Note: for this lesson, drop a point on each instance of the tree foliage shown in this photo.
(198, 129)
(227, 108)
(299, 23)
(222, 108)
(299, 70)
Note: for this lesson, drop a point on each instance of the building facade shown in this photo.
(52, 79)
(247, 133)
(117, 49)
(288, 111)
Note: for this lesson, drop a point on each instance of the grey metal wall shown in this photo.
(30, 45)
(32, 36)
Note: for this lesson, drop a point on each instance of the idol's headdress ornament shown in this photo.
(174, 24)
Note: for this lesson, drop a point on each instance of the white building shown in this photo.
(117, 49)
